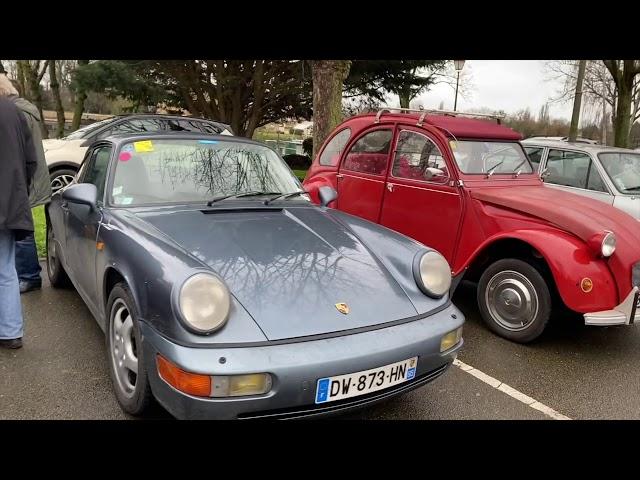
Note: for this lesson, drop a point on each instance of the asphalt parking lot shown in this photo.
(579, 372)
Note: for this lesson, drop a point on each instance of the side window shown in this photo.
(594, 182)
(415, 153)
(573, 169)
(535, 155)
(95, 170)
(332, 152)
(370, 153)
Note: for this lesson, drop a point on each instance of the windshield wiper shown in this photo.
(518, 172)
(637, 187)
(238, 195)
(492, 169)
(285, 195)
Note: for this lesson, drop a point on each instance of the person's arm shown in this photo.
(31, 161)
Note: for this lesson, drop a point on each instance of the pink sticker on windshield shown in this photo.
(124, 156)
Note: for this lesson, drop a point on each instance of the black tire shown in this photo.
(523, 297)
(60, 177)
(55, 271)
(133, 401)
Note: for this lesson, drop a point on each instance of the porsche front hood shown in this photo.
(290, 267)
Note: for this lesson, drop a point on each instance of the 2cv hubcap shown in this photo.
(512, 300)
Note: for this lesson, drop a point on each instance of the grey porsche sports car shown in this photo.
(224, 292)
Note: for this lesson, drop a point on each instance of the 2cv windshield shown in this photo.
(483, 157)
(178, 171)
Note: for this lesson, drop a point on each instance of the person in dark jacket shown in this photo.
(27, 263)
(17, 166)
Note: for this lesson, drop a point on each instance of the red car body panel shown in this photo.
(469, 213)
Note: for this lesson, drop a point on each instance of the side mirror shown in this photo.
(431, 172)
(327, 195)
(81, 193)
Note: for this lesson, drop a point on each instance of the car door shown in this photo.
(417, 204)
(576, 172)
(82, 224)
(361, 177)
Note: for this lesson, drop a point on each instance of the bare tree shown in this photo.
(30, 73)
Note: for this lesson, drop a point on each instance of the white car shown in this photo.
(608, 174)
(65, 155)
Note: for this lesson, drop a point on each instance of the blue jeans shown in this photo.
(27, 263)
(11, 323)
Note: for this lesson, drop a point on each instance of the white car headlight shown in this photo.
(204, 303)
(432, 273)
(608, 244)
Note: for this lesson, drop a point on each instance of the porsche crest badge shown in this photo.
(342, 308)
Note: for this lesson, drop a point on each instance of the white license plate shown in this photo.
(330, 389)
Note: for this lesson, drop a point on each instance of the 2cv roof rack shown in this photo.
(424, 112)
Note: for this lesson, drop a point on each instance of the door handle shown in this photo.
(390, 187)
(339, 176)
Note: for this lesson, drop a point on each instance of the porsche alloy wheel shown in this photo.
(514, 300)
(124, 349)
(124, 354)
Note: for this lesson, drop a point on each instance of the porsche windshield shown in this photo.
(623, 169)
(490, 158)
(179, 171)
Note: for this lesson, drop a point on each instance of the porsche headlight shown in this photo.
(608, 244)
(432, 273)
(204, 302)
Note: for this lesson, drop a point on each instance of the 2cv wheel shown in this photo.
(514, 300)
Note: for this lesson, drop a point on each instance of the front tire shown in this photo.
(124, 352)
(514, 300)
(55, 271)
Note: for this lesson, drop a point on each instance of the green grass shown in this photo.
(300, 174)
(40, 226)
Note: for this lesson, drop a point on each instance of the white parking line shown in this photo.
(512, 392)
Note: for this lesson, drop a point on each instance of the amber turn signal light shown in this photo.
(190, 383)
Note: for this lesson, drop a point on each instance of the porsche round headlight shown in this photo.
(204, 302)
(608, 244)
(432, 273)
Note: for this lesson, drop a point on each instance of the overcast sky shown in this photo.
(508, 85)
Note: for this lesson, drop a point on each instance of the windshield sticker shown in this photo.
(126, 200)
(143, 146)
(128, 147)
(453, 144)
(124, 156)
(208, 141)
(117, 190)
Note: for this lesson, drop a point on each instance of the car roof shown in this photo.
(587, 147)
(456, 126)
(120, 138)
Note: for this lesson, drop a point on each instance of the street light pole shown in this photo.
(459, 65)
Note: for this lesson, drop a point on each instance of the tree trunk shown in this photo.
(33, 86)
(55, 88)
(577, 102)
(622, 123)
(81, 96)
(405, 98)
(328, 78)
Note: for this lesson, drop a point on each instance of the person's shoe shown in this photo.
(26, 286)
(11, 343)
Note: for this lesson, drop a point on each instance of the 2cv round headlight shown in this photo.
(204, 303)
(432, 273)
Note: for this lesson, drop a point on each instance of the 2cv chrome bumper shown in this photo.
(624, 314)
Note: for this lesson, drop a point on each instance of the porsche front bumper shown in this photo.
(297, 365)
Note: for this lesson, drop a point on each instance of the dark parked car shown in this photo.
(64, 155)
(224, 292)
